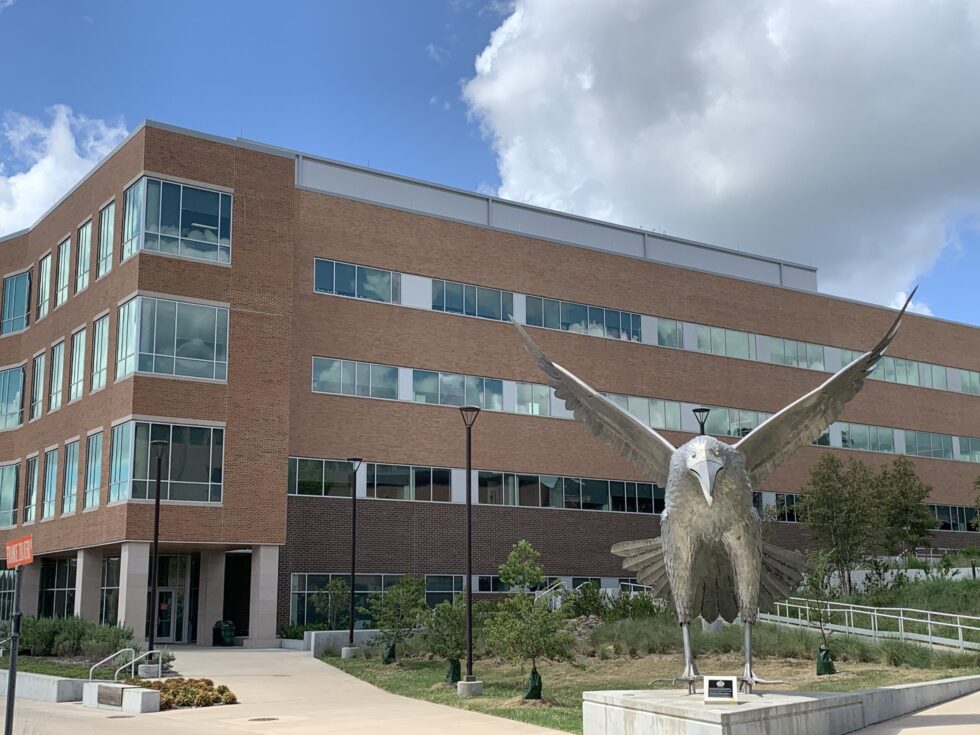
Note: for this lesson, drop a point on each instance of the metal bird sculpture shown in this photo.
(710, 551)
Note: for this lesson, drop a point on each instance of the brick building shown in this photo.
(262, 315)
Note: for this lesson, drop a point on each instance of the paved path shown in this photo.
(956, 717)
(304, 695)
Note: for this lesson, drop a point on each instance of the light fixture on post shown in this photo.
(701, 414)
(159, 447)
(349, 651)
(469, 686)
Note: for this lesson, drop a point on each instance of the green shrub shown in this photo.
(587, 600)
(178, 692)
(72, 637)
(634, 606)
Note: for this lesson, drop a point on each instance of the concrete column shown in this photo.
(211, 594)
(88, 584)
(134, 581)
(30, 587)
(263, 594)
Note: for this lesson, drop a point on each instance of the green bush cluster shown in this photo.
(72, 637)
(589, 600)
(178, 692)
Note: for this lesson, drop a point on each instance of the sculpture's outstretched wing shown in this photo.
(643, 446)
(802, 422)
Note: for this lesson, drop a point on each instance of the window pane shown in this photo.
(309, 477)
(344, 279)
(326, 375)
(573, 492)
(534, 311)
(552, 314)
(454, 298)
(551, 492)
(425, 386)
(373, 284)
(595, 495)
(438, 295)
(527, 489)
(441, 485)
(493, 395)
(384, 381)
(612, 324)
(323, 275)
(574, 317)
(451, 389)
(488, 303)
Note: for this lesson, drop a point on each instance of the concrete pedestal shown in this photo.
(350, 652)
(466, 688)
(765, 713)
(120, 697)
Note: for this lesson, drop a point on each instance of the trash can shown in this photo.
(228, 632)
(216, 638)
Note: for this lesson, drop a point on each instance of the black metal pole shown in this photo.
(469, 553)
(8, 727)
(353, 552)
(154, 557)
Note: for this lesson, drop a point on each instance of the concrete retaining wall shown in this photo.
(294, 644)
(895, 701)
(320, 639)
(45, 688)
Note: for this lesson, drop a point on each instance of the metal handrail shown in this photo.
(110, 658)
(2, 649)
(791, 612)
(132, 665)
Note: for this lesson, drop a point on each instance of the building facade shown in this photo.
(256, 316)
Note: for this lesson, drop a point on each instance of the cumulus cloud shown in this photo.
(841, 135)
(4, 4)
(437, 54)
(47, 158)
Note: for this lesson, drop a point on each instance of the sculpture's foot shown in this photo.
(748, 679)
(691, 675)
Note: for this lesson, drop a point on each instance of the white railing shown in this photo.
(906, 624)
(107, 659)
(552, 594)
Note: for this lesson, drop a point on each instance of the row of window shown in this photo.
(550, 491)
(347, 377)
(489, 303)
(191, 470)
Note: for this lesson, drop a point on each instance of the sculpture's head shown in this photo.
(705, 458)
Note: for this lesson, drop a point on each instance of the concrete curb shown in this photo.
(45, 688)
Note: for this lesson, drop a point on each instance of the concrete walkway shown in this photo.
(300, 694)
(956, 717)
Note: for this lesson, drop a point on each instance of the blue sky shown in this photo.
(384, 84)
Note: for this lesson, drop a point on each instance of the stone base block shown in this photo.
(120, 697)
(149, 671)
(761, 713)
(350, 652)
(469, 688)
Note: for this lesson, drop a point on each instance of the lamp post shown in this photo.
(159, 449)
(470, 685)
(701, 414)
(355, 463)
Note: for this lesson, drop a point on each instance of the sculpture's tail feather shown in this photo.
(715, 590)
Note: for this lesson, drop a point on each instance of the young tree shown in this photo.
(523, 628)
(397, 612)
(837, 507)
(445, 634)
(333, 606)
(905, 519)
(522, 568)
(976, 505)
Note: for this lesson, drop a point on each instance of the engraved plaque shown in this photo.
(110, 695)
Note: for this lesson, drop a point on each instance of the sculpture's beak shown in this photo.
(706, 470)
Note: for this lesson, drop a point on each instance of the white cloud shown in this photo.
(4, 4)
(50, 157)
(438, 55)
(841, 135)
(916, 307)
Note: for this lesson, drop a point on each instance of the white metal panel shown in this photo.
(953, 380)
(520, 308)
(801, 278)
(690, 334)
(836, 439)
(725, 262)
(648, 329)
(559, 226)
(457, 485)
(416, 291)
(900, 442)
(406, 391)
(689, 421)
(558, 409)
(831, 359)
(510, 396)
(360, 480)
(763, 347)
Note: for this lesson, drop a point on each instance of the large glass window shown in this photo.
(179, 338)
(462, 298)
(726, 342)
(100, 351)
(450, 389)
(16, 303)
(970, 382)
(323, 477)
(358, 281)
(93, 470)
(83, 257)
(121, 461)
(56, 376)
(43, 286)
(796, 354)
(12, 397)
(50, 489)
(69, 486)
(109, 598)
(8, 495)
(107, 225)
(64, 273)
(669, 333)
(928, 444)
(406, 482)
(177, 219)
(969, 449)
(57, 588)
(191, 466)
(30, 489)
(582, 319)
(354, 378)
(76, 381)
(533, 399)
(126, 338)
(37, 386)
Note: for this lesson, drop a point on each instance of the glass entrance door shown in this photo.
(165, 614)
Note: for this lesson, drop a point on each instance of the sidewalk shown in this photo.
(956, 717)
(301, 694)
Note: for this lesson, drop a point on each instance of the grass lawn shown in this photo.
(565, 682)
(55, 667)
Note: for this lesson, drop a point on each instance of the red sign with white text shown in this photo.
(20, 551)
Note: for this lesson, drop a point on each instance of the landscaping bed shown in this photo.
(177, 692)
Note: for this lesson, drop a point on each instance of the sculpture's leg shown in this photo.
(691, 673)
(748, 678)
